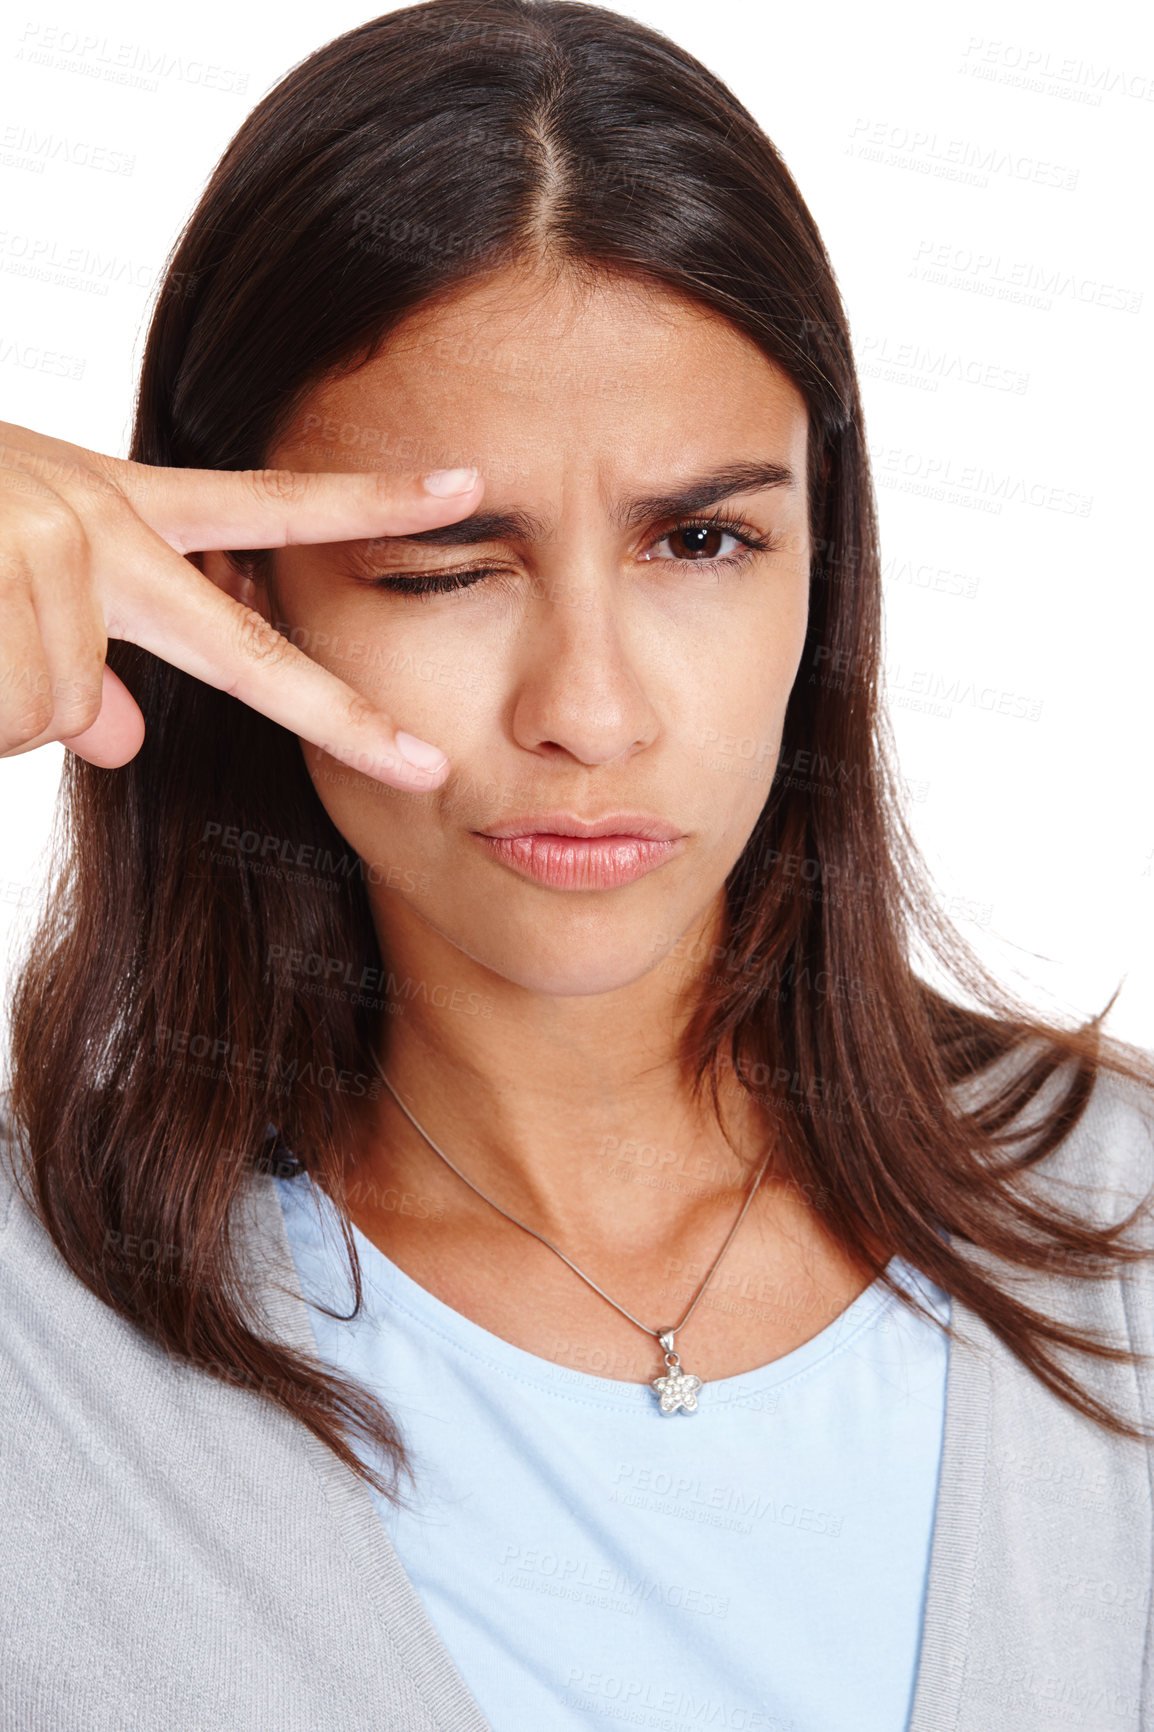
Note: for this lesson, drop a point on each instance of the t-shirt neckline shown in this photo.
(389, 1290)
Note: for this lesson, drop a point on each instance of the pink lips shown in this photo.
(569, 853)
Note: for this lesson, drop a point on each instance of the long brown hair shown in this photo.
(160, 1027)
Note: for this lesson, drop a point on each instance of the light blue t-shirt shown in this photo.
(756, 1566)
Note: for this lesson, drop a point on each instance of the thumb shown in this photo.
(117, 734)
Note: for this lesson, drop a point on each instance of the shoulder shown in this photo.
(1103, 1164)
(59, 1343)
(120, 1464)
(21, 1232)
(1113, 1142)
(63, 1348)
(9, 1158)
(84, 1390)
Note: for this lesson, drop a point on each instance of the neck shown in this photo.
(571, 1113)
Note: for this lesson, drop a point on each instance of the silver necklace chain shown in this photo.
(678, 1388)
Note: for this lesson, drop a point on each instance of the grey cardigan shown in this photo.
(178, 1555)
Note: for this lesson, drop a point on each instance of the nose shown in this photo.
(580, 686)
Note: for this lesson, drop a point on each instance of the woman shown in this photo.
(557, 1260)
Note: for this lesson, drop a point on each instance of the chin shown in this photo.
(565, 966)
(585, 978)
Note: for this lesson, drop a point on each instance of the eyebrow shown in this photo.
(695, 495)
(707, 490)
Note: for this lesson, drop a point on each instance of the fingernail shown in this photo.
(445, 482)
(419, 753)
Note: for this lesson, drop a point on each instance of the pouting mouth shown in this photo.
(644, 826)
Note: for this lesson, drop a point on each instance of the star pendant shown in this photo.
(678, 1389)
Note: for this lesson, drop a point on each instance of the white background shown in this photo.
(980, 175)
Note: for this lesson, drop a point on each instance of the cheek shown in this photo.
(733, 694)
(401, 659)
(719, 676)
(379, 823)
(415, 676)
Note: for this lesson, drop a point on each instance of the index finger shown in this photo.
(171, 609)
(200, 509)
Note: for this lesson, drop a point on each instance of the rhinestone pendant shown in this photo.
(677, 1389)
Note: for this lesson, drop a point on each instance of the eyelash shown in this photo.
(443, 583)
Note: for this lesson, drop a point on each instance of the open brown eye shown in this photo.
(697, 541)
(709, 540)
(700, 543)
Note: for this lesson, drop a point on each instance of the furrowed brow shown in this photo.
(695, 495)
(482, 526)
(706, 490)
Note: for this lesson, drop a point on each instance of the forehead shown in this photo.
(529, 369)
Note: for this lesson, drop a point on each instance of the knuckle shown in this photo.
(78, 704)
(261, 642)
(100, 507)
(282, 486)
(17, 485)
(101, 476)
(387, 487)
(15, 567)
(30, 715)
(105, 506)
(38, 522)
(360, 711)
(43, 473)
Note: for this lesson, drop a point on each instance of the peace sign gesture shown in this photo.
(90, 548)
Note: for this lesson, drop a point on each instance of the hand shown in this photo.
(90, 548)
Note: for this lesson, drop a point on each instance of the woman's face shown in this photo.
(622, 654)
